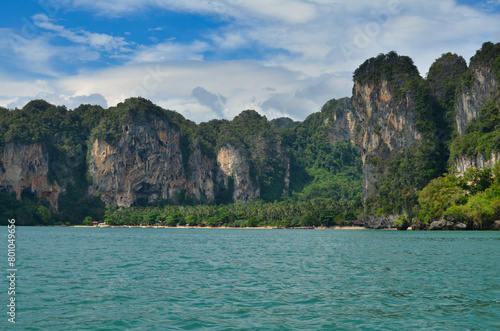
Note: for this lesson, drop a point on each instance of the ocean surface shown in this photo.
(228, 279)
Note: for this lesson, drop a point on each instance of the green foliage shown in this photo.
(496, 174)
(227, 195)
(401, 220)
(488, 55)
(388, 66)
(87, 221)
(29, 211)
(476, 180)
(445, 79)
(315, 212)
(472, 198)
(440, 194)
(284, 123)
(482, 134)
(319, 168)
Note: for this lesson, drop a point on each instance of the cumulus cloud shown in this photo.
(213, 101)
(71, 102)
(301, 53)
(223, 89)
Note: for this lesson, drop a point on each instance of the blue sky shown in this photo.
(214, 58)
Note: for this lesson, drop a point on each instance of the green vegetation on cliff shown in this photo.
(472, 198)
(284, 123)
(488, 56)
(445, 82)
(482, 134)
(330, 172)
(319, 168)
(388, 66)
(401, 173)
(63, 134)
(306, 174)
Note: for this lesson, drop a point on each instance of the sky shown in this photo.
(211, 59)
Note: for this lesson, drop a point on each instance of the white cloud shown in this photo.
(170, 50)
(160, 28)
(307, 52)
(24, 89)
(213, 101)
(36, 55)
(214, 89)
(290, 11)
(98, 41)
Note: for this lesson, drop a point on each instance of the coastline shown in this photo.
(227, 227)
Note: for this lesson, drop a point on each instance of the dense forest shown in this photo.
(303, 177)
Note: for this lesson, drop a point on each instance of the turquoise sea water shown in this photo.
(227, 279)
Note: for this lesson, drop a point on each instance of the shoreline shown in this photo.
(224, 227)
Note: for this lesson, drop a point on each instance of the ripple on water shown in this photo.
(126, 279)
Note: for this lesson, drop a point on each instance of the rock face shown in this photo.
(481, 86)
(386, 124)
(379, 222)
(25, 168)
(480, 162)
(201, 182)
(345, 121)
(447, 225)
(484, 87)
(147, 164)
(231, 164)
(441, 225)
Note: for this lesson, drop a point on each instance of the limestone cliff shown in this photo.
(343, 122)
(483, 86)
(231, 164)
(201, 183)
(387, 99)
(480, 91)
(25, 168)
(480, 162)
(147, 165)
(386, 125)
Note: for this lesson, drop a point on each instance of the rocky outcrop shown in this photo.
(26, 168)
(379, 222)
(479, 162)
(201, 182)
(441, 225)
(403, 225)
(480, 85)
(386, 124)
(147, 164)
(483, 87)
(231, 164)
(344, 122)
(418, 225)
